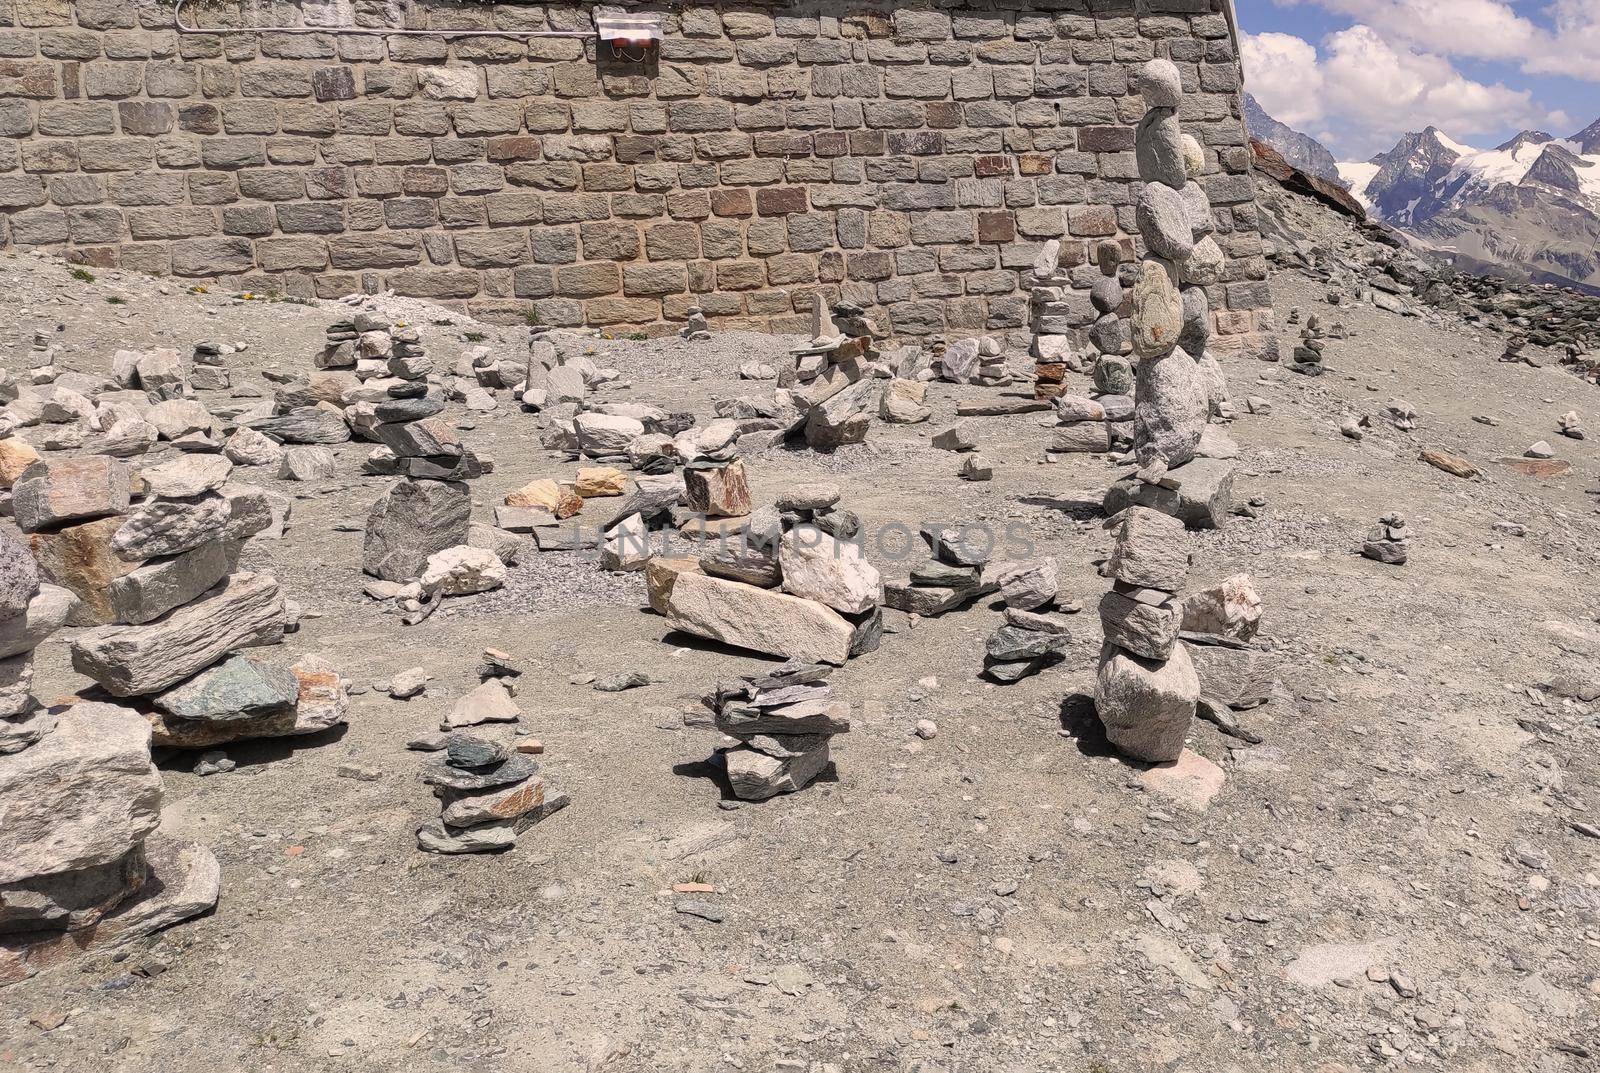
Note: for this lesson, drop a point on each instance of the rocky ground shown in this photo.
(1404, 873)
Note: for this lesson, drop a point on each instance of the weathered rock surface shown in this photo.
(1146, 706)
(819, 567)
(81, 796)
(49, 495)
(134, 660)
(415, 520)
(46, 613)
(759, 619)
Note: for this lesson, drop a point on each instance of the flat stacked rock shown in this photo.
(833, 381)
(488, 795)
(776, 728)
(429, 510)
(1146, 690)
(980, 360)
(953, 576)
(156, 578)
(209, 369)
(1390, 541)
(788, 582)
(1086, 425)
(79, 871)
(1308, 352)
(1035, 632)
(1177, 384)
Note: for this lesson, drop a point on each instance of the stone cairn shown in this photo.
(786, 582)
(81, 799)
(833, 381)
(1147, 690)
(1053, 318)
(156, 579)
(776, 728)
(418, 533)
(1178, 386)
(955, 573)
(488, 795)
(1035, 633)
(1099, 422)
(1389, 542)
(1308, 352)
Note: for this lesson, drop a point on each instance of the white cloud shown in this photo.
(1366, 90)
(1281, 72)
(1568, 44)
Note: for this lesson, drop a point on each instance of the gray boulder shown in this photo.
(415, 520)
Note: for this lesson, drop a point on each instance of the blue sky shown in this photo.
(1357, 74)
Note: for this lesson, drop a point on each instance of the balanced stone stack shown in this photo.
(430, 508)
(1087, 425)
(833, 382)
(80, 868)
(788, 582)
(1389, 542)
(776, 728)
(1308, 352)
(1146, 690)
(41, 360)
(1053, 348)
(488, 795)
(954, 575)
(208, 369)
(1035, 633)
(973, 361)
(1176, 381)
(156, 578)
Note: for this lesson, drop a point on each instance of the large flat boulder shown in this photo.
(79, 798)
(759, 619)
(128, 661)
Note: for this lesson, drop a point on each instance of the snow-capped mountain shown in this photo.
(1533, 202)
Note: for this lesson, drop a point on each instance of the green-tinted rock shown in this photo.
(237, 688)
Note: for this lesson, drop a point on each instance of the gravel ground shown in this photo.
(1392, 879)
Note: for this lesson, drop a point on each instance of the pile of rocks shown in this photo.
(776, 728)
(488, 795)
(156, 578)
(1146, 689)
(788, 582)
(1035, 632)
(428, 511)
(833, 382)
(1087, 425)
(80, 798)
(973, 361)
(1178, 385)
(208, 369)
(1388, 542)
(1308, 352)
(954, 575)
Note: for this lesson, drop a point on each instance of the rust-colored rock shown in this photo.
(80, 558)
(1454, 465)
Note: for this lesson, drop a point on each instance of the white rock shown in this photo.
(819, 567)
(462, 571)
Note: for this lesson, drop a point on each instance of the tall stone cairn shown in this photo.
(79, 796)
(429, 509)
(1147, 689)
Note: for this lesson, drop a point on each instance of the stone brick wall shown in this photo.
(910, 159)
